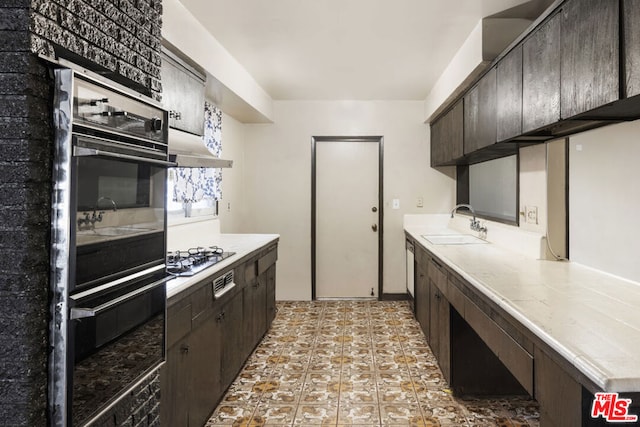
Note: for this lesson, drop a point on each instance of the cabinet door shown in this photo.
(271, 295)
(232, 339)
(174, 383)
(541, 76)
(590, 55)
(509, 98)
(447, 136)
(421, 297)
(255, 309)
(204, 361)
(631, 19)
(260, 304)
(182, 95)
(439, 330)
(480, 114)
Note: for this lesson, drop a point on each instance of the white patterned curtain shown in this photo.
(195, 184)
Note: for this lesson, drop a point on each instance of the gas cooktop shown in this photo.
(194, 260)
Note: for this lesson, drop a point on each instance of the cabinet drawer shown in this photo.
(267, 260)
(250, 271)
(514, 357)
(438, 275)
(421, 257)
(455, 296)
(201, 301)
(178, 323)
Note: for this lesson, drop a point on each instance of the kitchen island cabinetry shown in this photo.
(590, 73)
(447, 137)
(207, 336)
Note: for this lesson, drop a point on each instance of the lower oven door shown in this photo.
(117, 335)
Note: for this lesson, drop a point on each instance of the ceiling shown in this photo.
(348, 49)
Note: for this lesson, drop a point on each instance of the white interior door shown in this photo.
(346, 219)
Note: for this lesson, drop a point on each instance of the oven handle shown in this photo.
(84, 151)
(82, 312)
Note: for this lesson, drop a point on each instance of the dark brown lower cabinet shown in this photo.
(231, 340)
(201, 365)
(422, 298)
(255, 302)
(481, 350)
(439, 323)
(271, 294)
(259, 298)
(559, 395)
(205, 363)
(175, 376)
(207, 340)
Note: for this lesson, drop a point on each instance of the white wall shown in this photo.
(232, 206)
(533, 186)
(604, 199)
(277, 185)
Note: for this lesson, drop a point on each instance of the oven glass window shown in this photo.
(128, 184)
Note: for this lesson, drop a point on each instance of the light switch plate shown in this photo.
(395, 204)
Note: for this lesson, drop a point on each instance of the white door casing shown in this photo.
(346, 212)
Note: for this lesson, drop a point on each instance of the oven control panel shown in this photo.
(100, 107)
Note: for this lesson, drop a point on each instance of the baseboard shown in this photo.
(395, 297)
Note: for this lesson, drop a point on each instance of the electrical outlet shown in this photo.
(531, 214)
(419, 202)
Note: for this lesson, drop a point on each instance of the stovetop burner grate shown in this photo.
(191, 261)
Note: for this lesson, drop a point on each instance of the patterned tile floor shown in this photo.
(353, 363)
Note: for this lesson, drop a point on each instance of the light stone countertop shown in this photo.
(241, 244)
(589, 317)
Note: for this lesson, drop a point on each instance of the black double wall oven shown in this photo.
(109, 245)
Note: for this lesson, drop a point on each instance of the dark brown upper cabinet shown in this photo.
(447, 137)
(509, 95)
(590, 75)
(631, 25)
(480, 114)
(541, 76)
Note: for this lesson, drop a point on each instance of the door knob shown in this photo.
(374, 209)
(374, 227)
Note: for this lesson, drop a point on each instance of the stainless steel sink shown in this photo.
(453, 239)
(114, 231)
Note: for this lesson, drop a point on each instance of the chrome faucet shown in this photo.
(89, 220)
(113, 203)
(475, 224)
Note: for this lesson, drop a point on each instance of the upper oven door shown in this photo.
(119, 209)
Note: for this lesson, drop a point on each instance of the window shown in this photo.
(193, 202)
(491, 188)
(194, 192)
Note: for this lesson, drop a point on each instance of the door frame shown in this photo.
(373, 139)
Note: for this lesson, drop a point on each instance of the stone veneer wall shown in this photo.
(121, 37)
